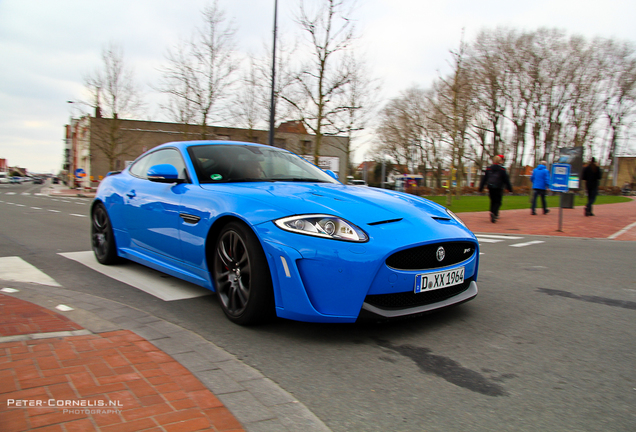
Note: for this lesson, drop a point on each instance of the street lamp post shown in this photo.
(272, 109)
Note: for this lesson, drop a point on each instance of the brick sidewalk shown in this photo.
(611, 221)
(117, 380)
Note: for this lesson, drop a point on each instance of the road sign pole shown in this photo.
(559, 182)
(560, 212)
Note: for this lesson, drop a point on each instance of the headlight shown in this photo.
(325, 226)
(454, 216)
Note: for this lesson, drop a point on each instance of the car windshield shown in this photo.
(219, 163)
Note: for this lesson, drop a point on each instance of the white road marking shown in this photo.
(36, 208)
(485, 240)
(54, 211)
(623, 231)
(78, 215)
(143, 278)
(17, 270)
(64, 308)
(527, 243)
(493, 236)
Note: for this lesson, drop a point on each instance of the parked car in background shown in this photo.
(4, 177)
(16, 179)
(357, 183)
(273, 234)
(38, 180)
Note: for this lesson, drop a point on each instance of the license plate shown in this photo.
(433, 281)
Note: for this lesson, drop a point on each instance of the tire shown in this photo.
(102, 238)
(241, 276)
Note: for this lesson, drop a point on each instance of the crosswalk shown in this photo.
(493, 238)
(162, 286)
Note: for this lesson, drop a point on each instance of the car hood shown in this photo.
(360, 205)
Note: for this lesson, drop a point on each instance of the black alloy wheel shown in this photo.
(241, 276)
(102, 238)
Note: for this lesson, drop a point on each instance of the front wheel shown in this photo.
(241, 276)
(102, 238)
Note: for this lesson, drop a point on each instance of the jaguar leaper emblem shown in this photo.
(441, 253)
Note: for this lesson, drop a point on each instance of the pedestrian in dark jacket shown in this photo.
(540, 183)
(496, 179)
(591, 174)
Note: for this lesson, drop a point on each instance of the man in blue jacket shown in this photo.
(540, 183)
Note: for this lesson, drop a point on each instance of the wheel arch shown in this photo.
(268, 301)
(215, 231)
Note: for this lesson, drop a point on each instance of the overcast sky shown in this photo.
(48, 46)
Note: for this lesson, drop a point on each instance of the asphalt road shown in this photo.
(548, 344)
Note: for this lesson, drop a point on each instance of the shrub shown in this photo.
(609, 190)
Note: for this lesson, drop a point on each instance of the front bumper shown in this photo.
(454, 297)
(320, 280)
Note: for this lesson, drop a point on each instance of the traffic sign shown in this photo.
(560, 177)
(80, 173)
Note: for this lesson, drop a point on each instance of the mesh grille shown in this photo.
(407, 300)
(425, 257)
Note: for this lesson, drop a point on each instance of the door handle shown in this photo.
(131, 194)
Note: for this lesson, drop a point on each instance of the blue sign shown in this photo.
(560, 177)
(80, 173)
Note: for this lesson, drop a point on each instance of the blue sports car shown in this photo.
(274, 235)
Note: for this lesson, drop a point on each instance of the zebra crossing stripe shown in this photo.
(15, 269)
(527, 243)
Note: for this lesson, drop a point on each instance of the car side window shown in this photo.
(165, 156)
(140, 167)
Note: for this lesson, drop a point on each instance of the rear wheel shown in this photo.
(241, 276)
(102, 238)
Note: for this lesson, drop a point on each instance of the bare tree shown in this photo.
(490, 81)
(454, 107)
(116, 95)
(320, 84)
(252, 103)
(523, 66)
(524, 95)
(619, 97)
(200, 72)
(400, 127)
(249, 107)
(359, 107)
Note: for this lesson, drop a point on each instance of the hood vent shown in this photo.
(385, 222)
(441, 218)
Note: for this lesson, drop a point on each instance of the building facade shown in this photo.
(96, 146)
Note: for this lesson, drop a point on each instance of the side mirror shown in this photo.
(164, 173)
(332, 174)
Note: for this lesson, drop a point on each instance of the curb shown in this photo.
(257, 402)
